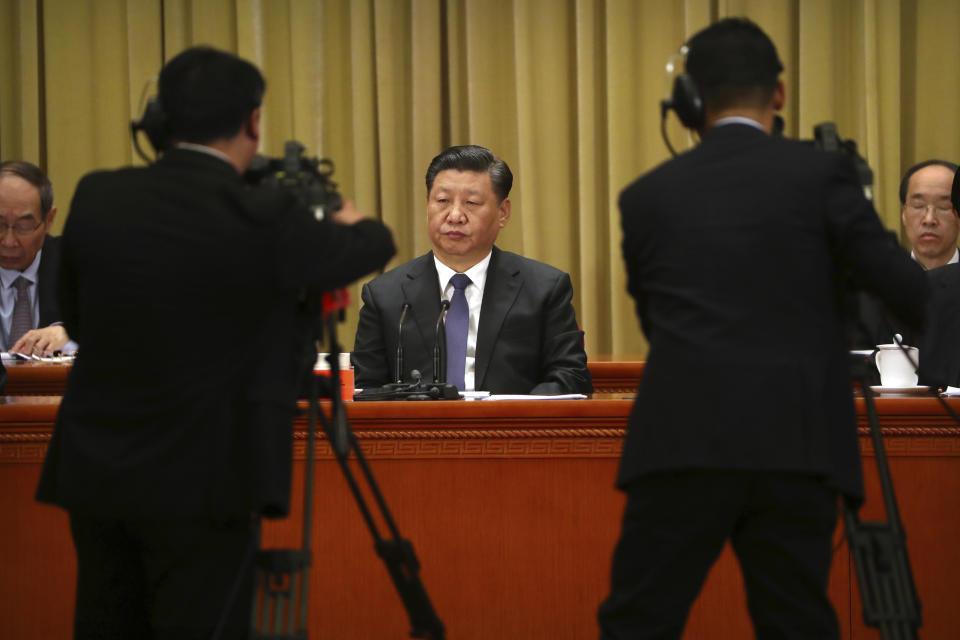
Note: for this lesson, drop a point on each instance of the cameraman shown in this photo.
(166, 456)
(734, 254)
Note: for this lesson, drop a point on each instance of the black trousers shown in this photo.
(675, 525)
(160, 579)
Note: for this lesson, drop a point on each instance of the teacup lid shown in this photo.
(894, 345)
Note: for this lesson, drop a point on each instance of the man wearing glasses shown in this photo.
(928, 216)
(29, 263)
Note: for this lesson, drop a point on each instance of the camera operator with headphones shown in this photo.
(166, 458)
(734, 253)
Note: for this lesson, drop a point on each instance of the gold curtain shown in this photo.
(566, 91)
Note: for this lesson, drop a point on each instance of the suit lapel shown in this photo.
(48, 274)
(422, 290)
(499, 293)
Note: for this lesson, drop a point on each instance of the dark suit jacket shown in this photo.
(939, 338)
(527, 339)
(939, 343)
(48, 278)
(734, 253)
(182, 257)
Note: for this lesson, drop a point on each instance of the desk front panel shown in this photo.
(512, 512)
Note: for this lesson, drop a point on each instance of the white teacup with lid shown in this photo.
(896, 370)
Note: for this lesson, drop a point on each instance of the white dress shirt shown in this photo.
(474, 295)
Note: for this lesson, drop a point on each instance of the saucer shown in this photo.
(912, 391)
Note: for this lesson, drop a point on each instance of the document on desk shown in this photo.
(512, 396)
(23, 356)
(951, 391)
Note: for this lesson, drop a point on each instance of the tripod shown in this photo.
(281, 597)
(890, 600)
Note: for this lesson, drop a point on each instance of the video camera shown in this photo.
(826, 138)
(309, 179)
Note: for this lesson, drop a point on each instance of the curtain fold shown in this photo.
(566, 91)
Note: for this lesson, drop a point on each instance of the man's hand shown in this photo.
(347, 214)
(42, 342)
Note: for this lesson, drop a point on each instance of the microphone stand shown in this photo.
(440, 346)
(418, 390)
(398, 373)
(280, 571)
(879, 550)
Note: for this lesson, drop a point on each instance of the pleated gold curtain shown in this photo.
(566, 91)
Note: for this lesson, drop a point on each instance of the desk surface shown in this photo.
(611, 374)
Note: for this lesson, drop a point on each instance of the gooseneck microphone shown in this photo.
(399, 368)
(440, 346)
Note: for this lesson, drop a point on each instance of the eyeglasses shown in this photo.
(20, 228)
(919, 209)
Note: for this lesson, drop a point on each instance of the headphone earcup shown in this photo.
(686, 101)
(154, 124)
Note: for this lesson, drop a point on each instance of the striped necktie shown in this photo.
(22, 311)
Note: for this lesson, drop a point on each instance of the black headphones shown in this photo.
(155, 125)
(685, 97)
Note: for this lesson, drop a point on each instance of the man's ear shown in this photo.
(50, 215)
(779, 96)
(252, 126)
(503, 212)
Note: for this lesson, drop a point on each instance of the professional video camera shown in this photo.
(827, 138)
(307, 178)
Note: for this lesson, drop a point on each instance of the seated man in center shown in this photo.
(511, 327)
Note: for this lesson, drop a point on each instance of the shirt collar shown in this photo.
(739, 120)
(7, 276)
(477, 273)
(954, 260)
(202, 148)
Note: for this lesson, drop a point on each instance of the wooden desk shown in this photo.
(512, 511)
(32, 378)
(611, 374)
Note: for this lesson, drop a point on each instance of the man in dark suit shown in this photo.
(931, 223)
(165, 458)
(519, 332)
(29, 263)
(940, 342)
(743, 427)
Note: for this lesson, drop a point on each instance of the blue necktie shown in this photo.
(457, 323)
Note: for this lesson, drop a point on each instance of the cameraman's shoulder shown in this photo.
(649, 180)
(107, 183)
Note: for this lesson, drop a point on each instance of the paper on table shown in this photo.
(951, 391)
(22, 356)
(511, 396)
(474, 395)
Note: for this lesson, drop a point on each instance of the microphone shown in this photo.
(440, 346)
(399, 368)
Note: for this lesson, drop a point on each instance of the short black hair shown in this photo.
(207, 94)
(35, 176)
(733, 63)
(955, 194)
(905, 182)
(473, 158)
